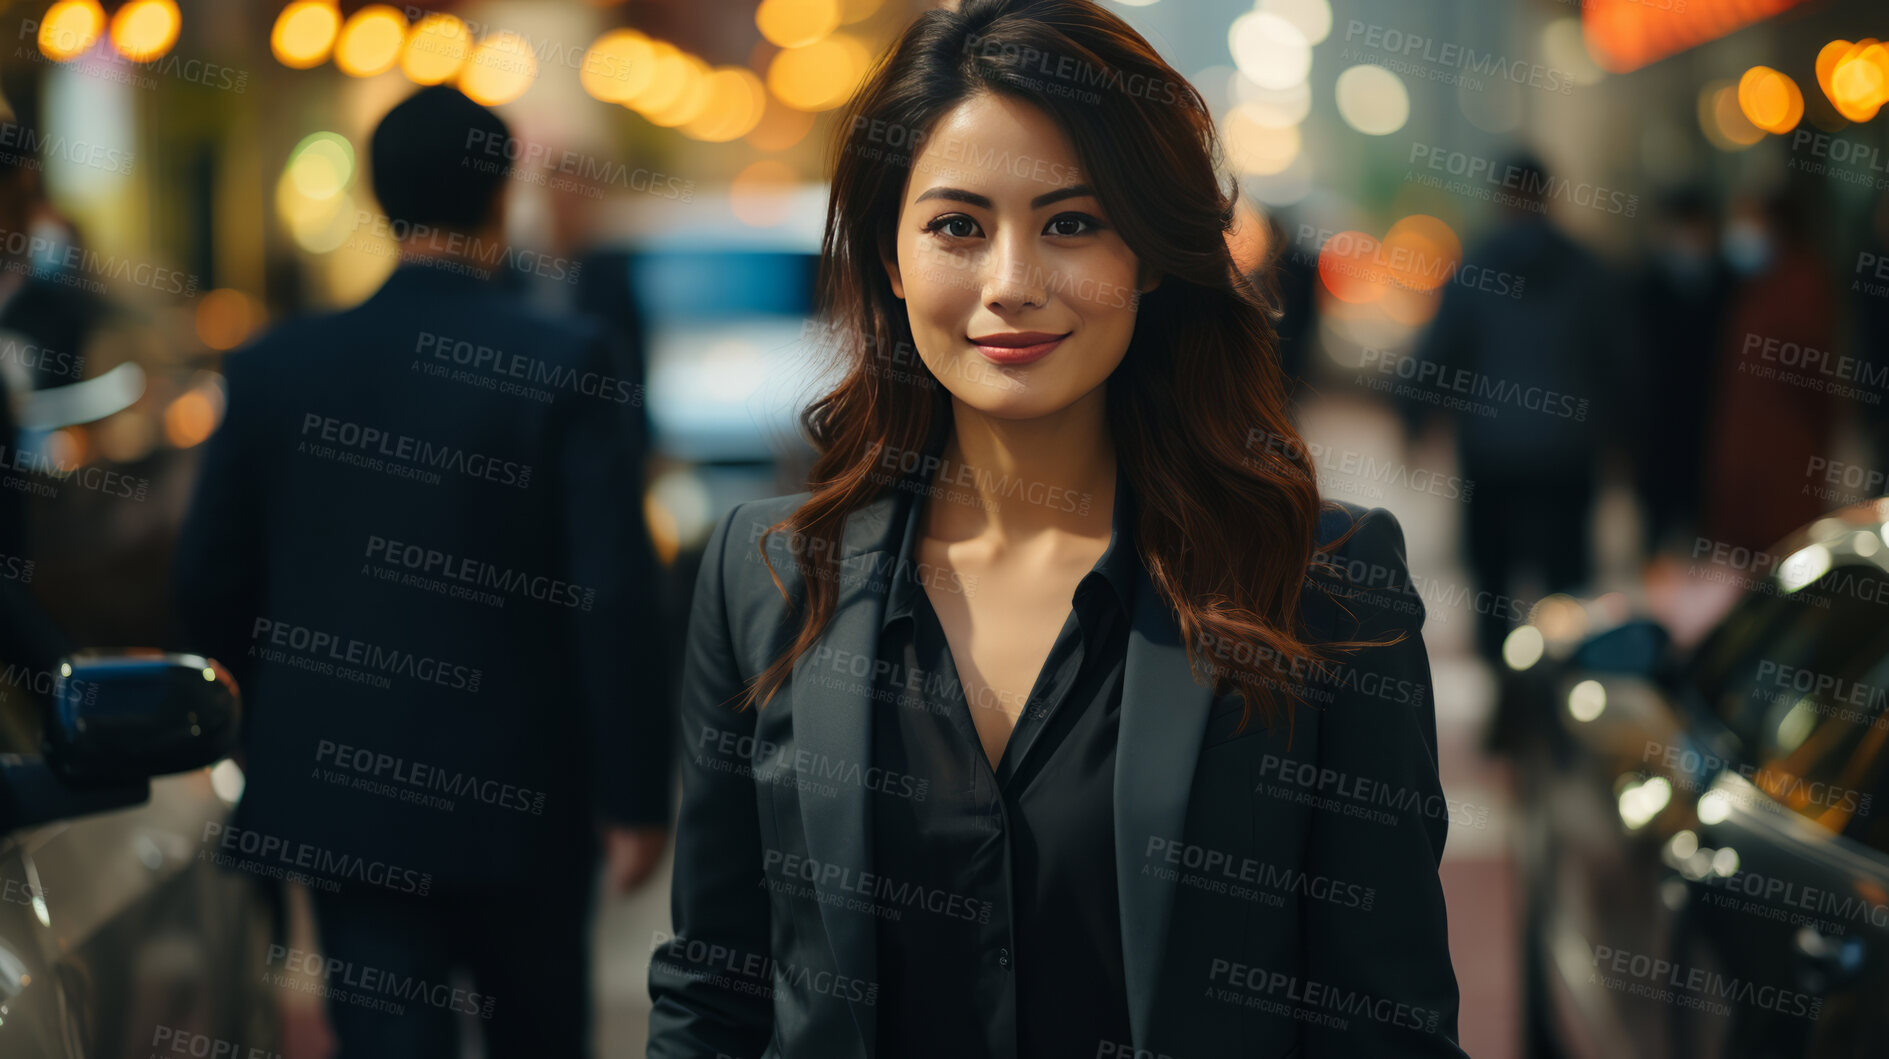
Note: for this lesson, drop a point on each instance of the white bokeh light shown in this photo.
(1372, 100)
(1270, 50)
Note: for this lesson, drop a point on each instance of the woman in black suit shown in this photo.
(1060, 718)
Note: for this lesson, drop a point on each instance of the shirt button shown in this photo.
(1003, 957)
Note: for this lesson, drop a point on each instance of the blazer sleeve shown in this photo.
(622, 650)
(1391, 965)
(710, 981)
(217, 568)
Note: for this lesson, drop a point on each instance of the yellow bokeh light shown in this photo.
(796, 23)
(1253, 146)
(226, 317)
(781, 126)
(304, 33)
(322, 165)
(852, 11)
(70, 28)
(618, 66)
(499, 70)
(690, 102)
(1721, 119)
(144, 30)
(819, 76)
(759, 196)
(435, 50)
(371, 41)
(736, 101)
(668, 78)
(189, 419)
(1770, 100)
(1827, 58)
(1859, 80)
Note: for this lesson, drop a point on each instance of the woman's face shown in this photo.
(1021, 294)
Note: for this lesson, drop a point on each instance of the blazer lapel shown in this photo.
(1163, 721)
(832, 722)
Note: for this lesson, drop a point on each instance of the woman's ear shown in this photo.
(891, 262)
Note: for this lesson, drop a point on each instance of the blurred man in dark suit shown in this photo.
(418, 541)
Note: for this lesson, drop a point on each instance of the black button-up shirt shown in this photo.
(1016, 953)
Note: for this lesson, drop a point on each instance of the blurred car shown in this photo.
(118, 937)
(1706, 833)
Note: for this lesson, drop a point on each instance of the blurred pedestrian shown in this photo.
(1680, 301)
(1773, 413)
(1532, 381)
(418, 539)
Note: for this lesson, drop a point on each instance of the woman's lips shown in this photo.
(1009, 353)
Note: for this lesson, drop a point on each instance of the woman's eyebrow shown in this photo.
(973, 198)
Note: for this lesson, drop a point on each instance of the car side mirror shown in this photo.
(125, 715)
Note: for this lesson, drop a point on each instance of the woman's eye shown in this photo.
(955, 225)
(1073, 224)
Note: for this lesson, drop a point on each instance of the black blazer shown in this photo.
(537, 716)
(1265, 911)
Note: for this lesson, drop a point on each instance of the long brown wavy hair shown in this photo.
(1225, 528)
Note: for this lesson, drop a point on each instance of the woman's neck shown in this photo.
(1014, 479)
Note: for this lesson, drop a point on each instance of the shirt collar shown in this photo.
(1118, 566)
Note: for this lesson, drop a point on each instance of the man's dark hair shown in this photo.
(439, 159)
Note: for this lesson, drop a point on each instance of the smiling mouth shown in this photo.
(1019, 347)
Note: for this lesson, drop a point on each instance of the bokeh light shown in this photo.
(304, 34)
(687, 104)
(1310, 17)
(322, 165)
(435, 50)
(70, 28)
(821, 75)
(1770, 100)
(736, 101)
(1269, 50)
(1421, 252)
(669, 79)
(796, 23)
(145, 30)
(1256, 147)
(1721, 119)
(1372, 100)
(371, 40)
(781, 126)
(499, 70)
(1270, 106)
(618, 65)
(226, 317)
(759, 196)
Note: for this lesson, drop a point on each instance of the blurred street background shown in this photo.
(1592, 294)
